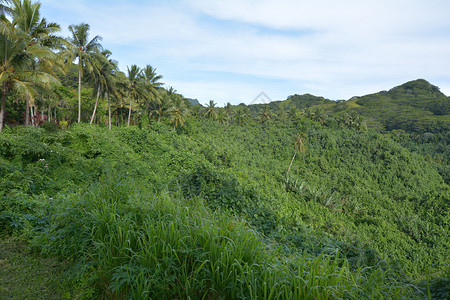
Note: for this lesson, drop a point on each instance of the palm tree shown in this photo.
(25, 67)
(113, 80)
(153, 84)
(211, 111)
(179, 111)
(228, 109)
(265, 114)
(293, 113)
(98, 77)
(86, 51)
(136, 86)
(5, 9)
(26, 17)
(299, 146)
(242, 115)
(161, 107)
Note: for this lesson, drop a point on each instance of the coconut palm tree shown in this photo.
(211, 111)
(228, 110)
(85, 51)
(153, 84)
(162, 107)
(299, 146)
(5, 9)
(114, 82)
(26, 18)
(137, 87)
(265, 114)
(25, 67)
(179, 111)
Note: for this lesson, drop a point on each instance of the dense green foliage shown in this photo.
(416, 106)
(303, 198)
(144, 211)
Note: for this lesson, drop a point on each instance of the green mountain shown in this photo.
(294, 101)
(416, 106)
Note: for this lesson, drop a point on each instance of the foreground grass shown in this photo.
(23, 275)
(130, 243)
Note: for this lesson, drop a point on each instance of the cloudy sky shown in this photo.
(230, 51)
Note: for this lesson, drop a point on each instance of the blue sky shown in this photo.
(230, 51)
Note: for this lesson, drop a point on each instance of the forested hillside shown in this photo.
(352, 196)
(113, 185)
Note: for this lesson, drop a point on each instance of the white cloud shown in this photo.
(335, 49)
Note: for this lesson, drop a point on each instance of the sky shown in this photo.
(231, 51)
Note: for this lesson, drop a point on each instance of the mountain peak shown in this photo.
(419, 88)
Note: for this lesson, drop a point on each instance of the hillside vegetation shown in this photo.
(208, 210)
(160, 197)
(416, 106)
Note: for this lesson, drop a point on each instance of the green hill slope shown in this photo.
(92, 196)
(416, 106)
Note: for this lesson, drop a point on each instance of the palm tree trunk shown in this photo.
(290, 165)
(2, 107)
(109, 111)
(96, 103)
(49, 119)
(27, 113)
(32, 115)
(79, 91)
(129, 112)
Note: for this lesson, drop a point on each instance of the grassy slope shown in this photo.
(23, 275)
(343, 205)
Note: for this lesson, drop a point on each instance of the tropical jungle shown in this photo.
(115, 186)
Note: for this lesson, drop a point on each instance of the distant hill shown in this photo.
(416, 106)
(297, 101)
(193, 101)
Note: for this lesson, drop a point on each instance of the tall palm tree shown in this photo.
(228, 110)
(242, 115)
(26, 17)
(162, 107)
(179, 111)
(153, 84)
(299, 146)
(86, 51)
(136, 86)
(25, 67)
(211, 111)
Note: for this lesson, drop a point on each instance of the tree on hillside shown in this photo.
(162, 107)
(211, 111)
(27, 18)
(86, 51)
(299, 146)
(153, 84)
(179, 111)
(26, 67)
(103, 79)
(136, 87)
(228, 110)
(265, 115)
(242, 115)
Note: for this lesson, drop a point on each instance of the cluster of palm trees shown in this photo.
(32, 55)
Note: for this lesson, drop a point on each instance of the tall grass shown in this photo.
(131, 243)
